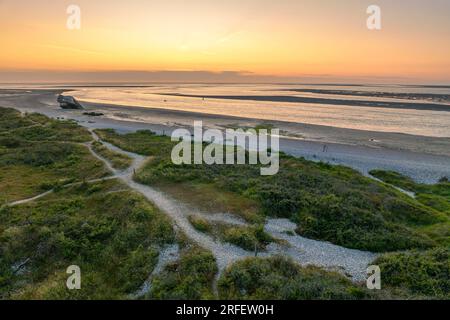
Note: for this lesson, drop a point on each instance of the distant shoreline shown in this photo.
(432, 97)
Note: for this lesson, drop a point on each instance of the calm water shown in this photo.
(411, 121)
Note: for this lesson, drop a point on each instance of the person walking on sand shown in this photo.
(325, 148)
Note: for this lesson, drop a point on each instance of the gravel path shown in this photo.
(16, 203)
(116, 173)
(166, 256)
(225, 254)
(352, 263)
(24, 201)
(318, 253)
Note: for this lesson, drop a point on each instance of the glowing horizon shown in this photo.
(265, 38)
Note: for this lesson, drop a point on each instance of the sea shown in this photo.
(409, 109)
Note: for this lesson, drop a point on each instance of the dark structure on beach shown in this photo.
(69, 102)
(93, 114)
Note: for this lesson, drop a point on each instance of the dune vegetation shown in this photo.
(190, 277)
(38, 154)
(422, 273)
(118, 161)
(117, 237)
(331, 203)
(250, 238)
(113, 234)
(436, 196)
(279, 278)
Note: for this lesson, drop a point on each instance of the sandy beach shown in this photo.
(426, 159)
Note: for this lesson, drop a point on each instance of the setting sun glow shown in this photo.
(284, 38)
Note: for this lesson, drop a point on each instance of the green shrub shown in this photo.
(118, 160)
(113, 237)
(421, 272)
(143, 142)
(278, 278)
(134, 271)
(189, 278)
(200, 224)
(241, 237)
(395, 179)
(248, 238)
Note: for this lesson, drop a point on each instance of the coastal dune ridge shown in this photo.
(424, 158)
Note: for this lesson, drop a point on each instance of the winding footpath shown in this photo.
(352, 263)
(24, 201)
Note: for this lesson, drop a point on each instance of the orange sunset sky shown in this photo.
(283, 39)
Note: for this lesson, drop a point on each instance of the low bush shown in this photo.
(190, 278)
(278, 278)
(113, 237)
(249, 238)
(38, 154)
(118, 161)
(425, 273)
(200, 224)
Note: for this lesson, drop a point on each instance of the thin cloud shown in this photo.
(71, 49)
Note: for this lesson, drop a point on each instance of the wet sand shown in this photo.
(407, 96)
(336, 102)
(426, 159)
